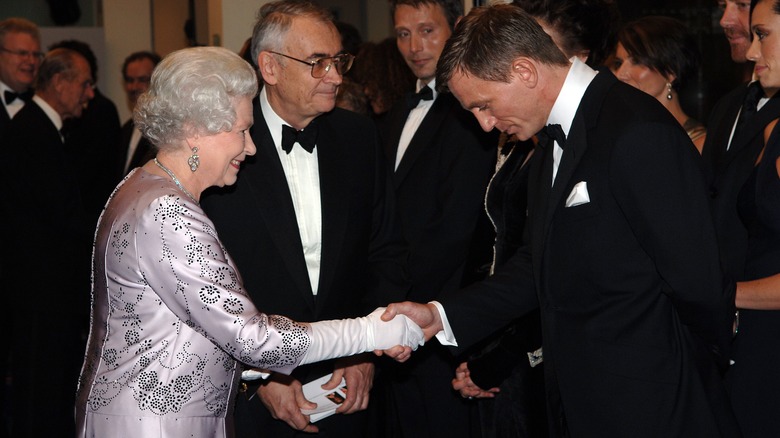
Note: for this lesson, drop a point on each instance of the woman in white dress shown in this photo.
(170, 319)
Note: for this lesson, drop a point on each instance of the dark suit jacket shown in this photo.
(50, 241)
(440, 186)
(363, 257)
(92, 143)
(635, 312)
(727, 171)
(144, 152)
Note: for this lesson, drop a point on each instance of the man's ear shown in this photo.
(268, 67)
(526, 71)
(457, 20)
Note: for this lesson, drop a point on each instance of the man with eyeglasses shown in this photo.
(311, 221)
(443, 162)
(48, 238)
(136, 74)
(20, 56)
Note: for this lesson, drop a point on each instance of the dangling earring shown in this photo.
(194, 159)
(669, 90)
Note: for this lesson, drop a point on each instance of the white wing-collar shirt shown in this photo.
(302, 171)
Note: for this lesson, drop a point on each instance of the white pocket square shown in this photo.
(579, 195)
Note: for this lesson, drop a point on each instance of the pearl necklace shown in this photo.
(175, 180)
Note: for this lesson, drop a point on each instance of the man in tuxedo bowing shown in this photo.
(50, 242)
(311, 221)
(20, 56)
(622, 256)
(136, 74)
(442, 163)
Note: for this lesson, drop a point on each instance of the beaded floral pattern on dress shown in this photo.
(170, 316)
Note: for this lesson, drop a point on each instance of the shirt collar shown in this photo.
(577, 81)
(53, 115)
(272, 119)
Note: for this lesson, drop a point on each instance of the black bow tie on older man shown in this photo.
(549, 133)
(413, 100)
(306, 137)
(10, 96)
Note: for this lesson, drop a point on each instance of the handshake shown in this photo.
(422, 320)
(394, 331)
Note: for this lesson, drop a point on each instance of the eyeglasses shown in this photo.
(321, 66)
(23, 53)
(143, 80)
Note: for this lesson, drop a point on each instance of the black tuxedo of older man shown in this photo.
(49, 235)
(363, 256)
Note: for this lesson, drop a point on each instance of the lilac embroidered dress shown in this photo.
(169, 321)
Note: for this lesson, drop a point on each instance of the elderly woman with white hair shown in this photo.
(170, 320)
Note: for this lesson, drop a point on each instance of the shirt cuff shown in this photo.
(445, 337)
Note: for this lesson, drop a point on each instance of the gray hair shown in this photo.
(193, 91)
(274, 20)
(19, 25)
(58, 61)
(489, 39)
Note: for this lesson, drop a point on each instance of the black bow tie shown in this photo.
(425, 93)
(307, 137)
(10, 96)
(552, 132)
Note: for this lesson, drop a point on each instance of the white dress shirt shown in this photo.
(14, 106)
(413, 121)
(135, 138)
(761, 103)
(565, 106)
(303, 178)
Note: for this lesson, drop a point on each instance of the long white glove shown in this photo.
(345, 337)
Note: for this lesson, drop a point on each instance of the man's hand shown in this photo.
(466, 387)
(283, 397)
(424, 315)
(358, 372)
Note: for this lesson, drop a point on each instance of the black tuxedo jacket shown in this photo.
(49, 240)
(144, 152)
(92, 143)
(363, 258)
(727, 171)
(440, 187)
(4, 118)
(635, 312)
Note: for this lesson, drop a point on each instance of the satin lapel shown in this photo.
(755, 126)
(273, 203)
(429, 127)
(334, 165)
(539, 183)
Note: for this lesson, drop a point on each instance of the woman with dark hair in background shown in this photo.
(658, 56)
(508, 373)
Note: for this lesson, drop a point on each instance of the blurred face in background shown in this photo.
(420, 34)
(136, 79)
(736, 25)
(20, 57)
